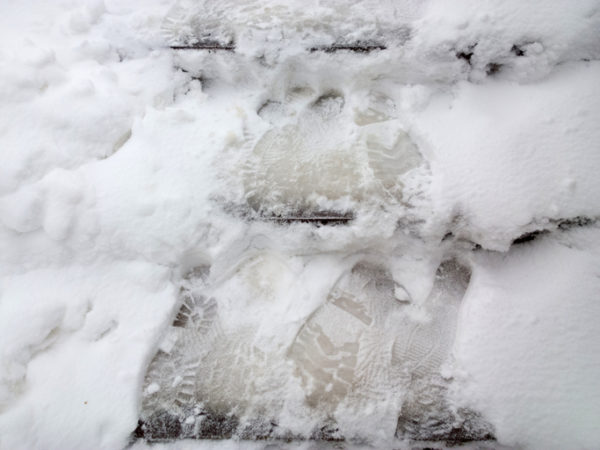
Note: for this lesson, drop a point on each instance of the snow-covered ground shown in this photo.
(134, 176)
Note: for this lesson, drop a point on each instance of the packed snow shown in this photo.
(372, 223)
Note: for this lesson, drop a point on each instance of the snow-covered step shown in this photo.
(361, 348)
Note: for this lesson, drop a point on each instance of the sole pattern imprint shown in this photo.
(358, 349)
(327, 350)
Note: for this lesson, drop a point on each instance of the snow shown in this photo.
(71, 338)
(126, 164)
(543, 155)
(543, 320)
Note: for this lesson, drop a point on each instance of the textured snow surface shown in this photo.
(163, 205)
